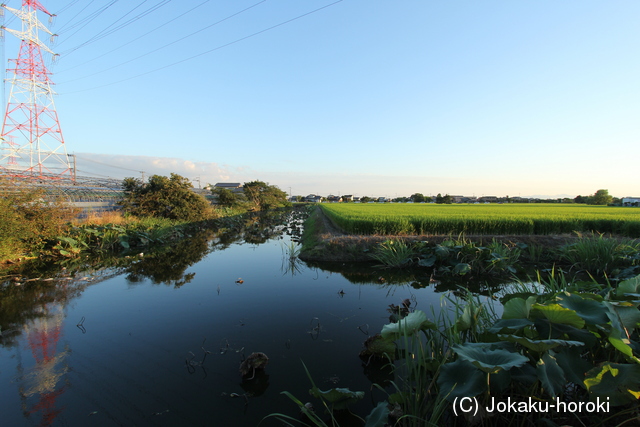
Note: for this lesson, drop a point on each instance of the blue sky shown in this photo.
(364, 97)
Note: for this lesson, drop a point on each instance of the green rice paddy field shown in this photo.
(500, 219)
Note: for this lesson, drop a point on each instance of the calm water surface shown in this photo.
(160, 340)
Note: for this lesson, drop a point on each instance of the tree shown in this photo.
(417, 198)
(580, 199)
(226, 197)
(601, 197)
(164, 197)
(261, 195)
(444, 199)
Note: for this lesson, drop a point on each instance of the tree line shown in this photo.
(173, 198)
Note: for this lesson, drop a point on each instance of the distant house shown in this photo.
(347, 198)
(488, 199)
(333, 199)
(313, 198)
(236, 187)
(631, 201)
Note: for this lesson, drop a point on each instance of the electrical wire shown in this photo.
(169, 44)
(200, 54)
(84, 159)
(91, 17)
(137, 38)
(104, 33)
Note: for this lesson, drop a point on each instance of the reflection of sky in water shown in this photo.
(154, 354)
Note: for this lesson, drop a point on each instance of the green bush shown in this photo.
(28, 219)
(163, 197)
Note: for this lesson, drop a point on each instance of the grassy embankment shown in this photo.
(32, 228)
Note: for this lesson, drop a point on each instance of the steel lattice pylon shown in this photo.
(32, 142)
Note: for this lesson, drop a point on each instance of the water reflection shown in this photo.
(158, 338)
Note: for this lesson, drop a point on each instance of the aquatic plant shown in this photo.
(600, 255)
(335, 399)
(394, 253)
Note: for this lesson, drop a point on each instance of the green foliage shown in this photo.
(28, 219)
(453, 256)
(546, 341)
(164, 197)
(418, 198)
(226, 197)
(601, 255)
(394, 253)
(262, 196)
(601, 197)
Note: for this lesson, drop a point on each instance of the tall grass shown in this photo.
(598, 255)
(394, 253)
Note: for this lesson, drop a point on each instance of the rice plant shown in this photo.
(516, 219)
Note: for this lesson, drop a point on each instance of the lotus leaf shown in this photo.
(378, 347)
(407, 326)
(518, 308)
(525, 374)
(559, 331)
(510, 324)
(555, 313)
(428, 261)
(573, 364)
(538, 345)
(617, 336)
(629, 286)
(339, 398)
(550, 375)
(489, 360)
(593, 312)
(461, 379)
(616, 383)
(468, 318)
(462, 268)
(629, 316)
(378, 416)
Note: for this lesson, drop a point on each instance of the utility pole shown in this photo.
(31, 139)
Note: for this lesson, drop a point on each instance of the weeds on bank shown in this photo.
(599, 255)
(458, 256)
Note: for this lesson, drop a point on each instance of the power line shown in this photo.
(137, 38)
(169, 44)
(104, 33)
(91, 17)
(106, 164)
(202, 53)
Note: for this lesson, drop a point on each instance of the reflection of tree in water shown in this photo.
(168, 264)
(259, 227)
(417, 278)
(23, 295)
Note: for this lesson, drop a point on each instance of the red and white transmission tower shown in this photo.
(31, 139)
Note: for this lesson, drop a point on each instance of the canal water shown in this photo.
(157, 339)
